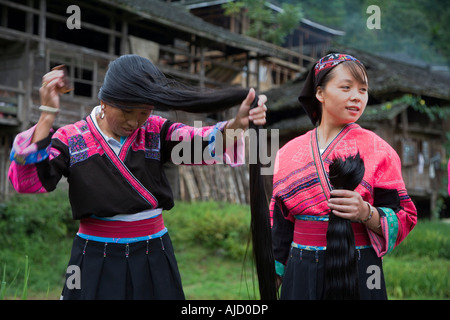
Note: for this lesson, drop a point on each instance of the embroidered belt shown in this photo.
(121, 231)
(310, 232)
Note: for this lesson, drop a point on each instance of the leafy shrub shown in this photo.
(40, 227)
(418, 278)
(37, 227)
(419, 266)
(428, 239)
(42, 217)
(223, 228)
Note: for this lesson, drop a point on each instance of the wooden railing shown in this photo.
(11, 104)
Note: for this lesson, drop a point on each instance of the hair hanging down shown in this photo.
(341, 270)
(260, 228)
(133, 80)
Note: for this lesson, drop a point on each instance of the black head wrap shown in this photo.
(319, 70)
(133, 80)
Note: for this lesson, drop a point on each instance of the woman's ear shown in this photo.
(319, 94)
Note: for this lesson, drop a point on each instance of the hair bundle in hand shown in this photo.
(341, 270)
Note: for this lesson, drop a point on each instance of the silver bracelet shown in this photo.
(48, 109)
(370, 213)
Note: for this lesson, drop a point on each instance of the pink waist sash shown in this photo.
(314, 233)
(121, 229)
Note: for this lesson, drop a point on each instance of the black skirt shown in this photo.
(304, 275)
(111, 271)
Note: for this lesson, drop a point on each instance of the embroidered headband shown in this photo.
(320, 69)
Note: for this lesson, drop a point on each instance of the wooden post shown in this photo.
(202, 65)
(258, 85)
(94, 88)
(300, 48)
(29, 19)
(124, 38)
(4, 16)
(247, 83)
(42, 27)
(191, 54)
(404, 119)
(112, 37)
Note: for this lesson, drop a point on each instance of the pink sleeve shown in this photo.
(24, 178)
(22, 172)
(233, 154)
(395, 224)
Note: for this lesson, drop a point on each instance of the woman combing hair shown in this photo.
(113, 160)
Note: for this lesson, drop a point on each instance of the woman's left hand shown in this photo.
(245, 114)
(348, 205)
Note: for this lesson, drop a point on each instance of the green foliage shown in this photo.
(223, 228)
(418, 104)
(417, 279)
(267, 24)
(429, 239)
(35, 233)
(45, 217)
(416, 28)
(232, 8)
(210, 241)
(419, 266)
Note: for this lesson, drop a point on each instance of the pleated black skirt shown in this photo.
(111, 271)
(304, 275)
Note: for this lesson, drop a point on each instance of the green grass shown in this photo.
(419, 268)
(417, 278)
(210, 242)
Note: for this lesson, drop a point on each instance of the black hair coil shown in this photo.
(341, 269)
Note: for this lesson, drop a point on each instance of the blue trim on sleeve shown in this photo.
(212, 139)
(35, 157)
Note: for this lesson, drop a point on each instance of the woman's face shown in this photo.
(343, 98)
(123, 122)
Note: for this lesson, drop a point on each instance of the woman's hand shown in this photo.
(52, 83)
(348, 205)
(245, 114)
(49, 92)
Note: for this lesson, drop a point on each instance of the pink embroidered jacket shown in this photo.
(102, 183)
(301, 190)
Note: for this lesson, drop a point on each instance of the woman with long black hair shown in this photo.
(113, 160)
(329, 235)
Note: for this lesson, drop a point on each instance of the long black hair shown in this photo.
(341, 269)
(260, 227)
(132, 80)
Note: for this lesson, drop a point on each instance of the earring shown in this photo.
(102, 114)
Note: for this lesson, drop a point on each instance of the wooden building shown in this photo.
(36, 35)
(399, 93)
(310, 40)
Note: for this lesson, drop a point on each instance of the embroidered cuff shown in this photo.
(213, 136)
(383, 244)
(279, 268)
(24, 152)
(233, 155)
(389, 224)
